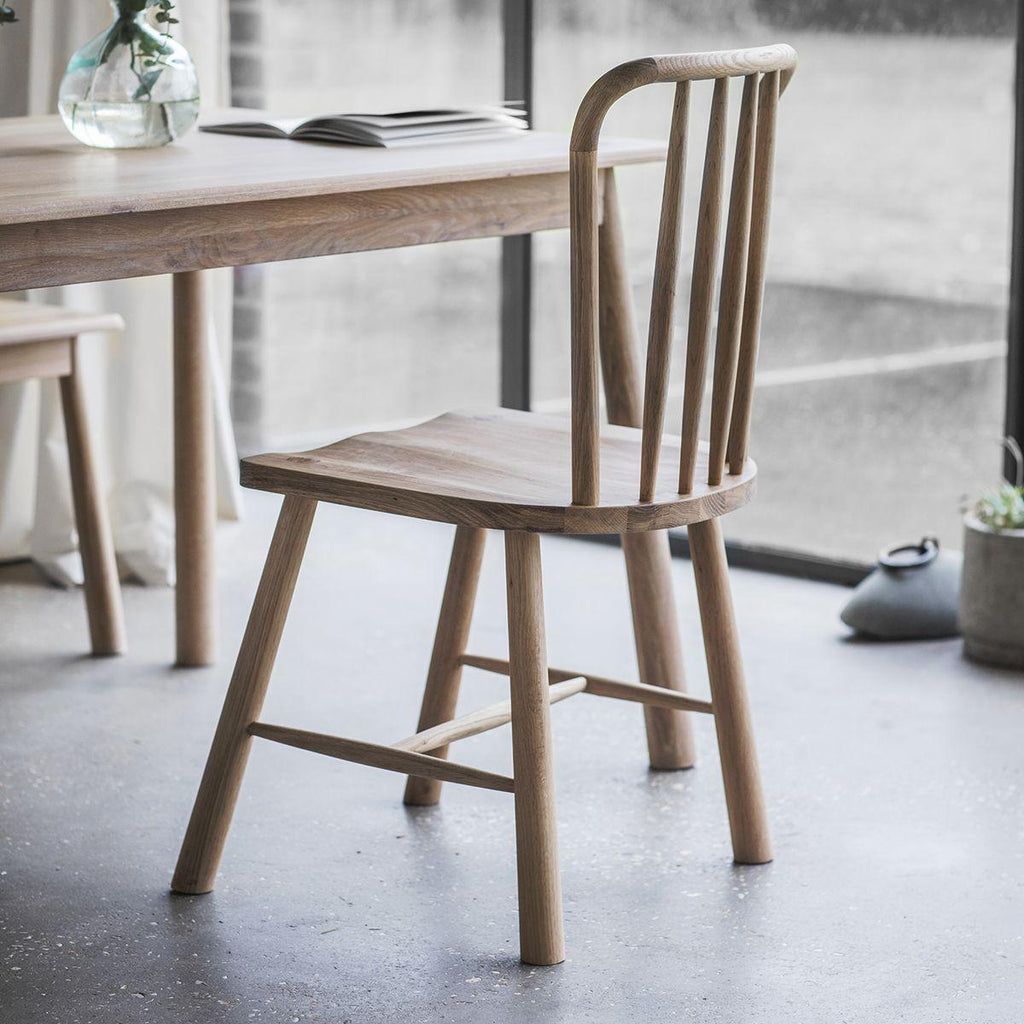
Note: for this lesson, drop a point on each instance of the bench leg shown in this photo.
(102, 587)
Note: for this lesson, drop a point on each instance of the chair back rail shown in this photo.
(766, 72)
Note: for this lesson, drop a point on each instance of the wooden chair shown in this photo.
(42, 341)
(511, 471)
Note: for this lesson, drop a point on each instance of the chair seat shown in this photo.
(501, 470)
(24, 322)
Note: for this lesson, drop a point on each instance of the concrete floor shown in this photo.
(894, 778)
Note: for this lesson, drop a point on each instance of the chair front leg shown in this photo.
(748, 822)
(218, 792)
(540, 887)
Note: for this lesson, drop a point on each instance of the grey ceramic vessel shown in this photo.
(913, 594)
(992, 594)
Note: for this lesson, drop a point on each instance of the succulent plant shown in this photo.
(1003, 508)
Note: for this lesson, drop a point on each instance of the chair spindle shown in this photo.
(583, 191)
(734, 274)
(702, 284)
(663, 296)
(739, 428)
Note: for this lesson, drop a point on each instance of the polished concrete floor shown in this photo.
(895, 779)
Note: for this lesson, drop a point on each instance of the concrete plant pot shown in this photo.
(992, 595)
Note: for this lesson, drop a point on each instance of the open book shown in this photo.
(403, 128)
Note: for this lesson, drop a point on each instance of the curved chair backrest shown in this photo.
(766, 72)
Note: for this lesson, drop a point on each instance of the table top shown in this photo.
(46, 175)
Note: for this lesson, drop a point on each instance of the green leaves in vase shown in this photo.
(148, 52)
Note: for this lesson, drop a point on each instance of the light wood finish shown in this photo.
(670, 741)
(51, 177)
(499, 666)
(675, 67)
(734, 274)
(41, 341)
(620, 373)
(211, 817)
(99, 567)
(649, 696)
(118, 246)
(598, 686)
(702, 284)
(764, 156)
(584, 283)
(526, 474)
(541, 939)
(501, 469)
(583, 184)
(194, 489)
(377, 755)
(24, 322)
(441, 694)
(482, 720)
(46, 359)
(737, 750)
(663, 297)
(70, 214)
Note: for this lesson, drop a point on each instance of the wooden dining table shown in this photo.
(70, 214)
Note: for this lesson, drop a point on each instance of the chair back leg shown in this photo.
(540, 887)
(211, 816)
(445, 673)
(748, 822)
(102, 588)
(659, 654)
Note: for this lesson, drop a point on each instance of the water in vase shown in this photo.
(107, 125)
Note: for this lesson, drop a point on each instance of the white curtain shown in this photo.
(127, 377)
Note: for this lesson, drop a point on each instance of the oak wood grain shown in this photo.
(737, 749)
(47, 175)
(663, 294)
(599, 686)
(95, 541)
(208, 826)
(25, 322)
(648, 559)
(702, 284)
(481, 720)
(46, 359)
(377, 755)
(541, 939)
(753, 297)
(734, 273)
(117, 246)
(441, 693)
(501, 469)
(584, 207)
(195, 595)
(676, 67)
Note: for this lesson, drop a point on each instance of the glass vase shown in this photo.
(133, 86)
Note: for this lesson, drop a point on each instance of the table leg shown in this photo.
(194, 494)
(648, 559)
